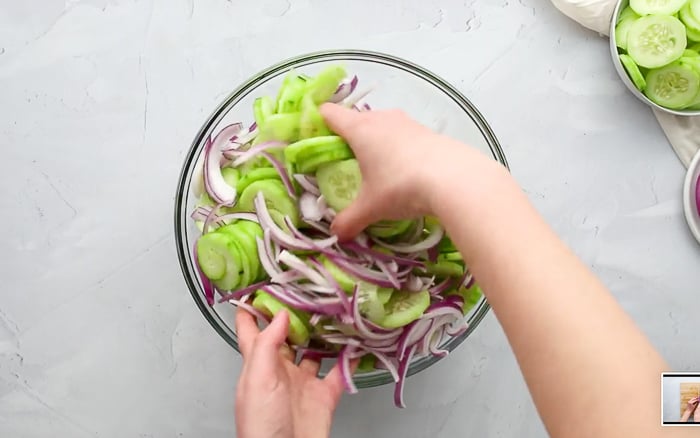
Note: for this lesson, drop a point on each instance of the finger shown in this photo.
(355, 218)
(335, 381)
(341, 120)
(246, 329)
(287, 353)
(310, 365)
(269, 341)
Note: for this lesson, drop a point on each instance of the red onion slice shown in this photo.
(346, 87)
(279, 167)
(237, 295)
(308, 183)
(435, 234)
(403, 371)
(345, 371)
(697, 194)
(256, 150)
(309, 207)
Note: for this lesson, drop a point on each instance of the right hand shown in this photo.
(400, 160)
(693, 403)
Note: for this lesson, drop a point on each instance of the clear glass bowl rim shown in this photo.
(184, 182)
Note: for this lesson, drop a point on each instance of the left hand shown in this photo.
(276, 398)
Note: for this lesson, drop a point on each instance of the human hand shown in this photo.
(400, 161)
(276, 398)
(692, 403)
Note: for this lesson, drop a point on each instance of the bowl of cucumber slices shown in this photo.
(258, 191)
(655, 47)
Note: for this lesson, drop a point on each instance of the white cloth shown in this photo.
(682, 132)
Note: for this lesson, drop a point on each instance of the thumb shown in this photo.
(355, 217)
(271, 339)
(341, 120)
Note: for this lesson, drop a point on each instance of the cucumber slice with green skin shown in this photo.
(445, 268)
(656, 40)
(276, 198)
(313, 145)
(692, 62)
(621, 31)
(231, 280)
(339, 183)
(231, 176)
(322, 87)
(692, 35)
(471, 296)
(687, 53)
(263, 107)
(367, 363)
(674, 86)
(695, 48)
(627, 13)
(259, 174)
(385, 229)
(311, 123)
(291, 93)
(384, 294)
(687, 17)
(311, 164)
(454, 256)
(252, 230)
(345, 280)
(446, 245)
(371, 306)
(633, 72)
(661, 7)
(298, 330)
(336, 149)
(212, 252)
(695, 8)
(404, 308)
(248, 249)
(280, 127)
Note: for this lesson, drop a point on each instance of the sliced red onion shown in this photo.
(214, 182)
(388, 365)
(315, 319)
(256, 150)
(276, 232)
(361, 272)
(315, 244)
(298, 264)
(413, 284)
(417, 230)
(308, 183)
(412, 334)
(322, 227)
(332, 282)
(345, 371)
(362, 329)
(441, 287)
(391, 276)
(240, 293)
(286, 277)
(435, 234)
(351, 101)
(378, 255)
(434, 342)
(309, 208)
(284, 176)
(265, 254)
(697, 194)
(346, 87)
(341, 339)
(211, 217)
(238, 216)
(403, 371)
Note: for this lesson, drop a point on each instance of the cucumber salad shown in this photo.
(658, 43)
(266, 196)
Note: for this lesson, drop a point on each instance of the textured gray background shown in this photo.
(100, 99)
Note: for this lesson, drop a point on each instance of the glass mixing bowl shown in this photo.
(395, 83)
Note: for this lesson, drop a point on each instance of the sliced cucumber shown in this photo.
(367, 363)
(322, 87)
(276, 198)
(661, 7)
(345, 280)
(298, 330)
(695, 8)
(312, 146)
(385, 229)
(291, 93)
(622, 29)
(633, 72)
(674, 86)
(371, 306)
(445, 268)
(244, 237)
(627, 13)
(687, 17)
(404, 308)
(231, 176)
(446, 245)
(311, 123)
(339, 182)
(688, 53)
(471, 296)
(212, 251)
(263, 107)
(384, 294)
(656, 40)
(312, 163)
(258, 174)
(280, 127)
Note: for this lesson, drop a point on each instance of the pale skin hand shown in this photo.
(568, 333)
(276, 398)
(689, 409)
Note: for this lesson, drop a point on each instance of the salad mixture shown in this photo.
(659, 44)
(266, 197)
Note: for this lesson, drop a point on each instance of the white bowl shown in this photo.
(691, 208)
